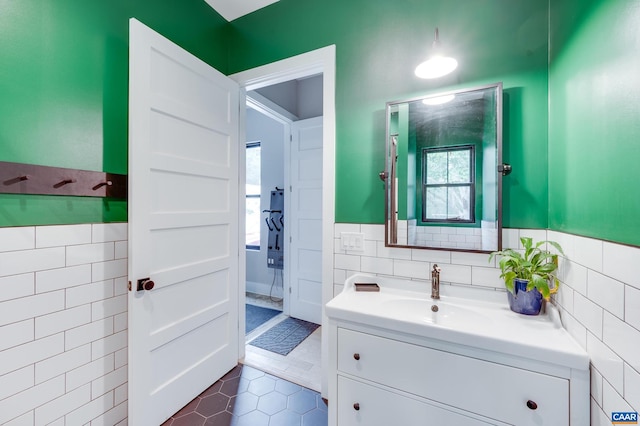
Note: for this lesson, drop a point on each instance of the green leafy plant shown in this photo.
(535, 265)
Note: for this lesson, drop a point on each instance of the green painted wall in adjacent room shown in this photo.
(378, 45)
(64, 90)
(594, 129)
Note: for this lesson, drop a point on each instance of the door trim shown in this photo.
(318, 61)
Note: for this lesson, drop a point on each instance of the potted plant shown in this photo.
(529, 276)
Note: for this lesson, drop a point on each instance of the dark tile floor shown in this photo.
(249, 397)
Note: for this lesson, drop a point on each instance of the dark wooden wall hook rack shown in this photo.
(17, 178)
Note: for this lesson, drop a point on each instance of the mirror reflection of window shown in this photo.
(446, 194)
(253, 187)
(448, 184)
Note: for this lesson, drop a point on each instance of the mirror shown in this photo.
(442, 180)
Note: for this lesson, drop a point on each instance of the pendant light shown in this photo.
(438, 64)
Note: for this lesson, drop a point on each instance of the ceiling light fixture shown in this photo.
(438, 65)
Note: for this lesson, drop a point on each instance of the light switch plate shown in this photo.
(352, 241)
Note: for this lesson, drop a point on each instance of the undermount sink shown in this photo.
(434, 311)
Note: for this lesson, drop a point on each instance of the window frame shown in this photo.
(250, 145)
(471, 184)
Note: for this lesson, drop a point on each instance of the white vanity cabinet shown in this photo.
(382, 376)
(376, 405)
(390, 371)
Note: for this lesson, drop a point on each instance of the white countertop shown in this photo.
(477, 318)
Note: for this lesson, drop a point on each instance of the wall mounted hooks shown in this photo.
(101, 184)
(17, 178)
(64, 182)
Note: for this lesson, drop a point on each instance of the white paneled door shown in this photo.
(183, 226)
(305, 273)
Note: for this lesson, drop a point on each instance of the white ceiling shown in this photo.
(232, 9)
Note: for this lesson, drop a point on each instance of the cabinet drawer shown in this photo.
(366, 405)
(489, 389)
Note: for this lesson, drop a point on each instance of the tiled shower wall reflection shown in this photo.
(599, 300)
(63, 325)
(415, 264)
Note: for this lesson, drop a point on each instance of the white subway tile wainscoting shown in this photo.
(599, 299)
(63, 325)
(63, 314)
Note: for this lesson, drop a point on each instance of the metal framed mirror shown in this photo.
(443, 171)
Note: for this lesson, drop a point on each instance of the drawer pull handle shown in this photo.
(532, 405)
(356, 406)
(356, 356)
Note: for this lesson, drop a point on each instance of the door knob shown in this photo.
(356, 406)
(356, 356)
(532, 405)
(145, 284)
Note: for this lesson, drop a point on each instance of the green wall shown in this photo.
(64, 84)
(594, 130)
(378, 45)
(63, 93)
(63, 90)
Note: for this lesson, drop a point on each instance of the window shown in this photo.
(448, 189)
(253, 223)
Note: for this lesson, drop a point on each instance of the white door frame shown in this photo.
(318, 61)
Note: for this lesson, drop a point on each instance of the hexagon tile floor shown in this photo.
(249, 397)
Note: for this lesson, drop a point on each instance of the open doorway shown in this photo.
(320, 61)
(283, 130)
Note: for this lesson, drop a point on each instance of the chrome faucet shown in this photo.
(435, 282)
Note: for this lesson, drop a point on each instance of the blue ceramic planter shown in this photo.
(523, 301)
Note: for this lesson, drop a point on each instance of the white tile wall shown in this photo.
(63, 325)
(16, 334)
(12, 239)
(600, 306)
(63, 235)
(63, 314)
(24, 261)
(458, 268)
(599, 299)
(16, 381)
(16, 286)
(463, 238)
